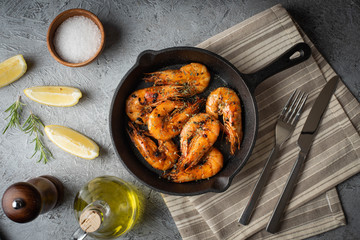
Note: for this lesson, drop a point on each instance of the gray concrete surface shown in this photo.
(131, 27)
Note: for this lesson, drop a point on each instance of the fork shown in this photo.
(285, 126)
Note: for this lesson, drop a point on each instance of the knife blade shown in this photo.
(304, 142)
(312, 122)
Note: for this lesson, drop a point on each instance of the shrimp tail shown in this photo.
(161, 156)
(209, 165)
(153, 77)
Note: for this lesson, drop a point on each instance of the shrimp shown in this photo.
(224, 101)
(194, 75)
(165, 123)
(141, 102)
(162, 156)
(196, 138)
(209, 165)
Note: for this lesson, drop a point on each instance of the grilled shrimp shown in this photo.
(162, 156)
(141, 102)
(196, 138)
(224, 101)
(209, 165)
(194, 75)
(168, 118)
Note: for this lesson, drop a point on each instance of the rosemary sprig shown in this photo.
(33, 125)
(14, 115)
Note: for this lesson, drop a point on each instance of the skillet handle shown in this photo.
(283, 62)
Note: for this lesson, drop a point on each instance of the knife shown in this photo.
(304, 142)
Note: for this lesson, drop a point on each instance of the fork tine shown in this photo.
(287, 105)
(296, 118)
(291, 108)
(294, 110)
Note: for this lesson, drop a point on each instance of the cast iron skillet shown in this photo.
(223, 73)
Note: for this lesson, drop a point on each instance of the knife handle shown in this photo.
(274, 223)
(246, 215)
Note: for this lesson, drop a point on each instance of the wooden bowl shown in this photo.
(60, 19)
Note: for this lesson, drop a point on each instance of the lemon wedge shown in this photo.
(72, 141)
(58, 96)
(12, 69)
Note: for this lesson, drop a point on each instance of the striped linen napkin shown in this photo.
(334, 155)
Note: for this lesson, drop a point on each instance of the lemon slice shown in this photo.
(58, 96)
(72, 141)
(12, 69)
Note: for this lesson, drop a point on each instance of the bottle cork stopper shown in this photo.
(90, 220)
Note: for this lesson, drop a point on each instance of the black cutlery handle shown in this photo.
(274, 223)
(250, 206)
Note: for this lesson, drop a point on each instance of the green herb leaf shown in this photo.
(14, 115)
(33, 126)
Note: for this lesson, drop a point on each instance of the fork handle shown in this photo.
(250, 206)
(274, 223)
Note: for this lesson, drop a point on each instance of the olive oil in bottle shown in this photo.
(106, 207)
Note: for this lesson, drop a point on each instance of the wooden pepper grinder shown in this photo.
(24, 201)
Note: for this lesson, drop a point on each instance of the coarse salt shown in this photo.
(77, 39)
